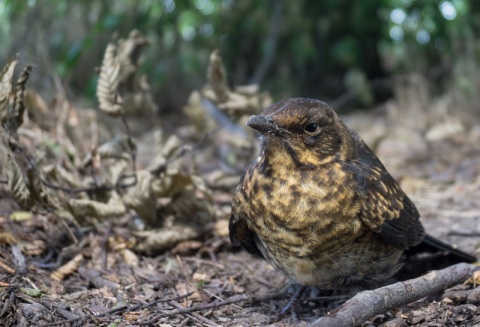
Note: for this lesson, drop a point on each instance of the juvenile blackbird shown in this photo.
(319, 205)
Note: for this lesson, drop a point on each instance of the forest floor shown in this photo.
(108, 283)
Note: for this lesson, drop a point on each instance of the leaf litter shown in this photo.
(134, 230)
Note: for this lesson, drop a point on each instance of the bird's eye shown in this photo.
(311, 127)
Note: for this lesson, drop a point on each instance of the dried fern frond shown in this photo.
(17, 185)
(129, 49)
(6, 89)
(217, 78)
(128, 56)
(119, 86)
(120, 147)
(15, 116)
(82, 208)
(39, 192)
(142, 198)
(67, 269)
(61, 175)
(109, 99)
(217, 98)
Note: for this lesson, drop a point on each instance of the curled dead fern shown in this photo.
(109, 99)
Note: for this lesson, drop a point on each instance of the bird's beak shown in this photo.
(263, 124)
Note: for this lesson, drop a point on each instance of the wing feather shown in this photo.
(385, 208)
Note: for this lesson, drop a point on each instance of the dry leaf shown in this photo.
(67, 269)
(163, 238)
(130, 258)
(201, 277)
(221, 228)
(20, 216)
(134, 315)
(142, 198)
(186, 247)
(7, 238)
(184, 289)
(36, 247)
(475, 280)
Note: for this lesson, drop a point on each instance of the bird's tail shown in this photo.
(432, 245)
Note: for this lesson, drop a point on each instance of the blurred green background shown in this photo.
(347, 52)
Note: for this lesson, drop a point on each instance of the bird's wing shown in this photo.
(384, 207)
(240, 234)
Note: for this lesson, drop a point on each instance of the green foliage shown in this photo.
(302, 47)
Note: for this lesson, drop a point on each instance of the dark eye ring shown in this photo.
(311, 127)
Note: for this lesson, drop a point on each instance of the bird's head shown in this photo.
(308, 131)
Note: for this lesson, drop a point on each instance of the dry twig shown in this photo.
(213, 305)
(368, 304)
(124, 308)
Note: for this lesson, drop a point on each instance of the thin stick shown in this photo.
(195, 315)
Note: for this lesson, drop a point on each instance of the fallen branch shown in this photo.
(462, 296)
(368, 304)
(213, 305)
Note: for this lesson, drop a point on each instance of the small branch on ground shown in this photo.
(7, 304)
(124, 308)
(195, 316)
(7, 268)
(472, 295)
(213, 305)
(368, 304)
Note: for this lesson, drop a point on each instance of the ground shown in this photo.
(107, 284)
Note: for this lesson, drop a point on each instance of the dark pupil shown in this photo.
(312, 127)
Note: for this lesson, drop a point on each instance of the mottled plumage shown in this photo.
(319, 205)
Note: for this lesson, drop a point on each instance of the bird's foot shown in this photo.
(291, 306)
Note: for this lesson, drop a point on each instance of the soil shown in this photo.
(107, 284)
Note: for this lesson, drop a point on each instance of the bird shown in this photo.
(320, 206)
